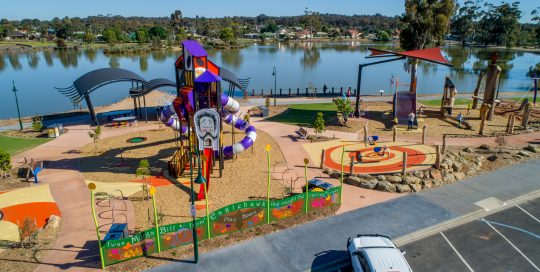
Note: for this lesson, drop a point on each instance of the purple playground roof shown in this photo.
(208, 77)
(194, 48)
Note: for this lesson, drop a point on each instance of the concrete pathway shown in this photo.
(76, 246)
(316, 244)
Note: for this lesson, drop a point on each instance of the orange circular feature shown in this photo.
(36, 212)
(306, 161)
(418, 156)
(91, 186)
(267, 147)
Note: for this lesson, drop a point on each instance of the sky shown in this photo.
(46, 10)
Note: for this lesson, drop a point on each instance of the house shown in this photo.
(321, 34)
(18, 35)
(304, 34)
(251, 35)
(353, 34)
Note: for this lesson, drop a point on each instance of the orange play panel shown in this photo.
(36, 211)
(156, 181)
(418, 157)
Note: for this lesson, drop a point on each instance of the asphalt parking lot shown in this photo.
(508, 240)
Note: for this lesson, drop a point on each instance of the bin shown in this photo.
(265, 111)
(55, 130)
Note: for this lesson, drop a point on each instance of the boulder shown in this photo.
(492, 158)
(381, 177)
(459, 175)
(403, 188)
(386, 186)
(355, 181)
(426, 183)
(364, 176)
(335, 174)
(468, 150)
(484, 147)
(419, 174)
(435, 174)
(370, 184)
(524, 153)
(410, 180)
(456, 166)
(532, 148)
(327, 171)
(394, 179)
(437, 182)
(448, 178)
(416, 187)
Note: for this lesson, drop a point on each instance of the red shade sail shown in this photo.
(428, 54)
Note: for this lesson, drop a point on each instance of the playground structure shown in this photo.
(200, 106)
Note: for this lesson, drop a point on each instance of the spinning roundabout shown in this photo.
(376, 159)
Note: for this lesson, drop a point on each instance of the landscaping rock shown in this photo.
(448, 178)
(492, 158)
(53, 222)
(370, 184)
(335, 174)
(356, 181)
(381, 177)
(419, 174)
(468, 150)
(435, 174)
(456, 166)
(459, 175)
(524, 153)
(416, 187)
(394, 179)
(403, 188)
(386, 186)
(484, 147)
(364, 176)
(437, 182)
(532, 148)
(426, 183)
(326, 171)
(410, 180)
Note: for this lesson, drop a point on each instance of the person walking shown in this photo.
(412, 117)
(324, 88)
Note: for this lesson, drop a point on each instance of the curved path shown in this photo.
(76, 247)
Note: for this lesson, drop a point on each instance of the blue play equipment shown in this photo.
(372, 139)
(35, 172)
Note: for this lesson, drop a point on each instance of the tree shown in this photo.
(5, 162)
(142, 35)
(227, 35)
(344, 108)
(382, 36)
(536, 18)
(464, 22)
(311, 20)
(499, 25)
(157, 32)
(88, 36)
(61, 44)
(270, 27)
(109, 35)
(95, 134)
(143, 170)
(425, 24)
(318, 124)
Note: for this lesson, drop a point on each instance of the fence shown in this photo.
(226, 220)
(291, 92)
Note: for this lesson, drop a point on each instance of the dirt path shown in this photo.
(76, 247)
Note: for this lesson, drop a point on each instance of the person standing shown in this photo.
(349, 92)
(412, 116)
(324, 88)
(459, 119)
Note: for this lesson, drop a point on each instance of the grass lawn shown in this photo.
(304, 114)
(17, 145)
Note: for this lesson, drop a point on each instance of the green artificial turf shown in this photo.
(16, 145)
(304, 114)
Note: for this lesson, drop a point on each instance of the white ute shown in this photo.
(375, 253)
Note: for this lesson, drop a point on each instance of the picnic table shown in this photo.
(124, 121)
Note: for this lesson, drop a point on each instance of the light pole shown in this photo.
(17, 102)
(274, 73)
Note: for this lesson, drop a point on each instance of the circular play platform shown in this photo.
(378, 160)
(136, 140)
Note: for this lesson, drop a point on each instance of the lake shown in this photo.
(298, 65)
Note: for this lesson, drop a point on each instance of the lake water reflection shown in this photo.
(298, 65)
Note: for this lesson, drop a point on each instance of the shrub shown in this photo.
(5, 161)
(344, 107)
(318, 124)
(37, 123)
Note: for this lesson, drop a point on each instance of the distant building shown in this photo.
(321, 34)
(353, 34)
(304, 34)
(251, 36)
(18, 35)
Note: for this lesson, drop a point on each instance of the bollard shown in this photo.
(298, 91)
(280, 92)
(306, 91)
(289, 91)
(341, 90)
(512, 123)
(274, 101)
(332, 91)
(394, 133)
(404, 168)
(271, 91)
(438, 157)
(424, 135)
(322, 159)
(351, 166)
(443, 144)
(365, 135)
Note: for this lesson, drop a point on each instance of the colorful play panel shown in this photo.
(136, 140)
(374, 160)
(35, 203)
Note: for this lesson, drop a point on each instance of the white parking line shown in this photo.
(515, 247)
(528, 214)
(455, 250)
